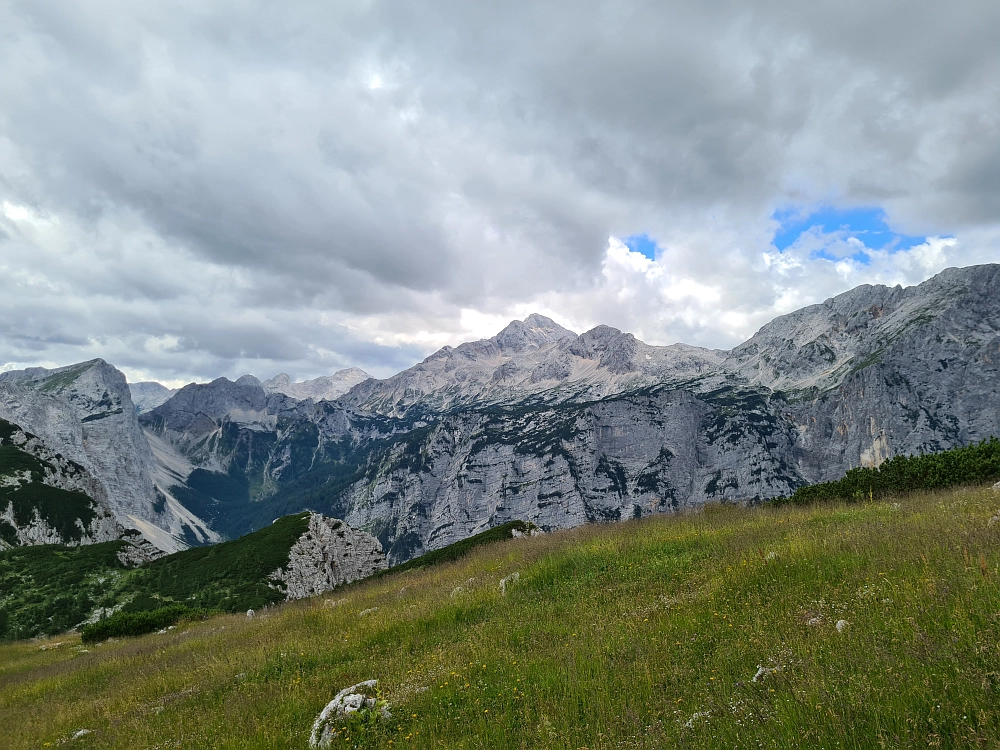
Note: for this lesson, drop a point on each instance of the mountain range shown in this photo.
(536, 423)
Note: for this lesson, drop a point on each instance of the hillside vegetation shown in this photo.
(967, 464)
(50, 588)
(828, 625)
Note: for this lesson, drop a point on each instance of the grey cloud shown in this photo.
(222, 172)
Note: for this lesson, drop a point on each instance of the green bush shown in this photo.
(970, 464)
(123, 624)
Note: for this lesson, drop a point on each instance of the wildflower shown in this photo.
(764, 672)
(842, 625)
(689, 724)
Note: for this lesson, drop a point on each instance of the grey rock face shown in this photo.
(545, 426)
(323, 388)
(328, 554)
(148, 395)
(85, 411)
(542, 425)
(534, 358)
(40, 515)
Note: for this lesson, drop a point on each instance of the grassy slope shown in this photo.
(644, 634)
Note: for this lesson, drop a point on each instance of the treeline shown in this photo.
(971, 464)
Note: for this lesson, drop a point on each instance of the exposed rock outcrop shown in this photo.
(147, 396)
(328, 554)
(85, 412)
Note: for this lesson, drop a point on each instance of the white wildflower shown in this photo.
(696, 716)
(456, 591)
(764, 672)
(814, 621)
(331, 603)
(772, 555)
(842, 625)
(505, 582)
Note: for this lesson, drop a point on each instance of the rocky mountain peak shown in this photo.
(323, 388)
(279, 382)
(533, 332)
(85, 411)
(147, 395)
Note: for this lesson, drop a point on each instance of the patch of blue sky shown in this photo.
(641, 243)
(867, 225)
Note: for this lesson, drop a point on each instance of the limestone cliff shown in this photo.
(85, 412)
(329, 553)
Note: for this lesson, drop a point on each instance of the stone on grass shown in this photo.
(509, 580)
(250, 614)
(358, 698)
(842, 625)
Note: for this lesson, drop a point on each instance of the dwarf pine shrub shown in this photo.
(123, 624)
(970, 464)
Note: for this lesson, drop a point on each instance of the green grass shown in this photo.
(645, 634)
(461, 548)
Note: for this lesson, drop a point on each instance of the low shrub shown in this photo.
(970, 464)
(123, 624)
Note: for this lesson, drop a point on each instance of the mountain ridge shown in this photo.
(543, 425)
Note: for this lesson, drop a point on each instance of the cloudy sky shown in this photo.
(194, 189)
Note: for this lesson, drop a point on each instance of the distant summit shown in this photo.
(325, 388)
(147, 395)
